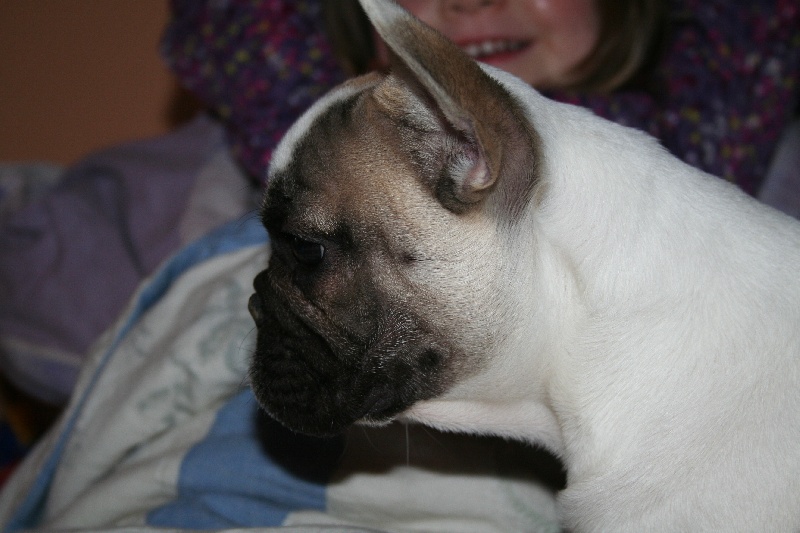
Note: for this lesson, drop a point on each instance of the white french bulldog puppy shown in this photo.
(452, 248)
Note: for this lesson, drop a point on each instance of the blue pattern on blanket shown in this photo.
(249, 471)
(225, 239)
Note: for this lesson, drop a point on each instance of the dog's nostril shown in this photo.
(254, 306)
(428, 360)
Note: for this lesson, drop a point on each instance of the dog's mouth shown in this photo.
(319, 386)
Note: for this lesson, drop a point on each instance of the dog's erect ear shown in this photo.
(495, 137)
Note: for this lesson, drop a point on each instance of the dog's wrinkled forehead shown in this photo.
(285, 153)
(342, 164)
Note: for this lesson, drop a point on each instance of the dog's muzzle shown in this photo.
(321, 386)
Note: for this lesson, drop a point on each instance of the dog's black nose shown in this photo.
(256, 308)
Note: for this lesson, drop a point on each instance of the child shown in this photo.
(714, 80)
(580, 44)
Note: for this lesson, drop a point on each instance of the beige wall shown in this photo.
(76, 75)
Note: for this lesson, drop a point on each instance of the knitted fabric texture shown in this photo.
(727, 84)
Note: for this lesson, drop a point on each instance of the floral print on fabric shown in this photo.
(729, 86)
(257, 64)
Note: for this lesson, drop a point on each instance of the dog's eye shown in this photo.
(307, 253)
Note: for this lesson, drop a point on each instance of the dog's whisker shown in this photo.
(243, 219)
(408, 445)
(433, 436)
(365, 432)
(246, 337)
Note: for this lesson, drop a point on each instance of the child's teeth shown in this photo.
(486, 48)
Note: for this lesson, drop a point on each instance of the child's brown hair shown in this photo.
(629, 42)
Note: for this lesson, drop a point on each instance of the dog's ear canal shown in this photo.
(492, 137)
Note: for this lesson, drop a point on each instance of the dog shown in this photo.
(450, 247)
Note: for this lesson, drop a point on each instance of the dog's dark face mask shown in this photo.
(318, 376)
(338, 338)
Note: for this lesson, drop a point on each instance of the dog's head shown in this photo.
(388, 206)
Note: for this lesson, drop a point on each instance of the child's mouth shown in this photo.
(494, 49)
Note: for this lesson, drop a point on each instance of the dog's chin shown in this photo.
(302, 382)
(321, 416)
(322, 402)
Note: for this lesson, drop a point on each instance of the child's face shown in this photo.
(541, 41)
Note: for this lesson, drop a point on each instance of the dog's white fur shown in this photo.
(651, 330)
(658, 344)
